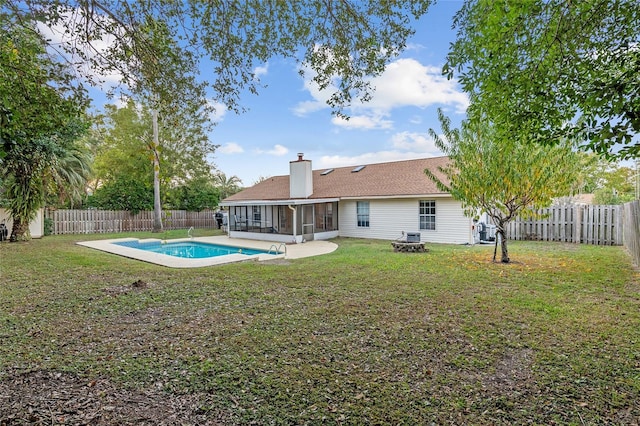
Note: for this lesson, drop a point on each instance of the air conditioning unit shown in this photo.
(413, 237)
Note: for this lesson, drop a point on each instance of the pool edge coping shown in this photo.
(295, 251)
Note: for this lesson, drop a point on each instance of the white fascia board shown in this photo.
(293, 202)
(395, 197)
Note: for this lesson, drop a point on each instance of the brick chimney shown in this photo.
(300, 178)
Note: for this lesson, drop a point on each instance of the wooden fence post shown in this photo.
(577, 225)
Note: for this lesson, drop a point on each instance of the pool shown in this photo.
(241, 247)
(192, 252)
(191, 249)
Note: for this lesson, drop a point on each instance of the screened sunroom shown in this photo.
(286, 221)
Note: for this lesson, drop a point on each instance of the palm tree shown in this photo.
(23, 174)
(31, 169)
(227, 186)
(67, 177)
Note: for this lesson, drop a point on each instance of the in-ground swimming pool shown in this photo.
(240, 248)
(191, 249)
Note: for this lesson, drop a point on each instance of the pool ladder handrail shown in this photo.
(189, 232)
(277, 248)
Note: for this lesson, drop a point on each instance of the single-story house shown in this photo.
(36, 227)
(380, 201)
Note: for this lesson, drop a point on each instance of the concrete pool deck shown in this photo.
(293, 251)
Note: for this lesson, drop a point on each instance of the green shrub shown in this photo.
(48, 226)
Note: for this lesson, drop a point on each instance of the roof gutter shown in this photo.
(395, 197)
(292, 202)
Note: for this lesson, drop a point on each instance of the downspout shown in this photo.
(295, 214)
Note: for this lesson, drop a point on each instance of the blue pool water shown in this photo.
(190, 249)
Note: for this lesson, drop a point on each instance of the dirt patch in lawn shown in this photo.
(51, 398)
(511, 371)
(135, 286)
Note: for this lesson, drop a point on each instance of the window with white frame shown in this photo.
(428, 215)
(362, 214)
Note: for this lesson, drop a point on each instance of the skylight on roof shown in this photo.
(326, 172)
(357, 169)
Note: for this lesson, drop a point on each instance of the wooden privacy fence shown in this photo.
(103, 221)
(632, 230)
(586, 224)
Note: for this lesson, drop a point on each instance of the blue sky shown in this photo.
(290, 116)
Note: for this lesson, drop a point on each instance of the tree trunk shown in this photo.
(501, 234)
(157, 208)
(20, 230)
(503, 244)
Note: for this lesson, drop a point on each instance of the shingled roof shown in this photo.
(397, 178)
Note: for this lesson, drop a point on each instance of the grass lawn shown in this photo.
(359, 336)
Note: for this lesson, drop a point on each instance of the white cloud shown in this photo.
(327, 161)
(363, 122)
(260, 71)
(404, 146)
(320, 97)
(414, 47)
(307, 107)
(59, 36)
(219, 111)
(277, 150)
(411, 141)
(416, 119)
(404, 83)
(120, 101)
(230, 148)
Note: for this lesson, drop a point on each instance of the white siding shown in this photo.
(263, 236)
(36, 227)
(389, 217)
